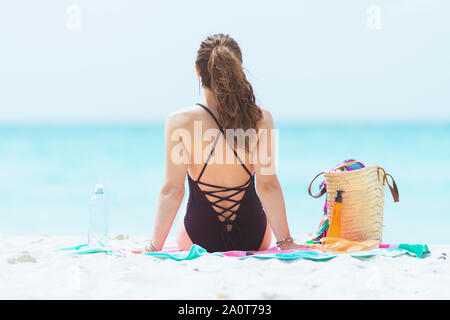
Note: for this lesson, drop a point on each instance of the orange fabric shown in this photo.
(330, 244)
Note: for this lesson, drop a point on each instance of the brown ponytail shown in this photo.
(219, 61)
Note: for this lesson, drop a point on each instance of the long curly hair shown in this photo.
(219, 61)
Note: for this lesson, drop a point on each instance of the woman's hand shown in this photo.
(150, 247)
(293, 245)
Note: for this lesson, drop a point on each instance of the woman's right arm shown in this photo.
(268, 186)
(172, 192)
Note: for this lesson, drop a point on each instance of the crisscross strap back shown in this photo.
(217, 190)
(215, 142)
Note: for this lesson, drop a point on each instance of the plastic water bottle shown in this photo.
(98, 219)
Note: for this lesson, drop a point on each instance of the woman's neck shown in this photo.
(210, 100)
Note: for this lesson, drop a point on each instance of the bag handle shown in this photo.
(322, 191)
(393, 187)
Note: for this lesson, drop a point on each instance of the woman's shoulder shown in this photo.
(266, 120)
(183, 117)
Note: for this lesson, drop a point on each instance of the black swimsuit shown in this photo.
(245, 232)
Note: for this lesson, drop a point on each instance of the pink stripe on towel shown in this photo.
(239, 254)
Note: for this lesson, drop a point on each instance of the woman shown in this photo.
(223, 211)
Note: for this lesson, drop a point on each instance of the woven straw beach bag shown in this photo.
(362, 200)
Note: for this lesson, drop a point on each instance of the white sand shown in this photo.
(30, 269)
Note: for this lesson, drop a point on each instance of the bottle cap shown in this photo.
(99, 189)
(339, 196)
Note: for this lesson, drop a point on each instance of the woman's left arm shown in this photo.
(172, 192)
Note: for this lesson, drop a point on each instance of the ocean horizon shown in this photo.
(48, 173)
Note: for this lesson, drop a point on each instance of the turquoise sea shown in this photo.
(48, 173)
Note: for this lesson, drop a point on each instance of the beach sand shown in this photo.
(31, 269)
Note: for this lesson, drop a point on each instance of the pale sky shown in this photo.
(133, 61)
